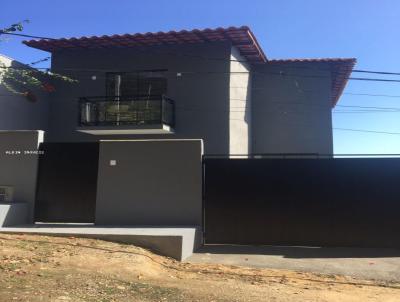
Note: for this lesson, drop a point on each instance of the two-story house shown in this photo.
(213, 84)
(132, 90)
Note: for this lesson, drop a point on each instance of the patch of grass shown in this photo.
(109, 290)
(157, 293)
(114, 290)
(9, 266)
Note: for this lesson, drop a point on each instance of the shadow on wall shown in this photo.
(12, 214)
(297, 252)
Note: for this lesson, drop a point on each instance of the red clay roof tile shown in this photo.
(340, 69)
(240, 37)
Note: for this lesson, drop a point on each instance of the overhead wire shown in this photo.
(370, 109)
(230, 60)
(366, 131)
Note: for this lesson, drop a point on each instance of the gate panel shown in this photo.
(67, 182)
(312, 202)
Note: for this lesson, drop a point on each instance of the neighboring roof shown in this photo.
(6, 57)
(340, 68)
(241, 37)
(8, 62)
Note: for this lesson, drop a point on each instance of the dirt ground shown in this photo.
(40, 268)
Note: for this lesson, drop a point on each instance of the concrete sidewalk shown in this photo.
(363, 263)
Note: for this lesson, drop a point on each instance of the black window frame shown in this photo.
(109, 83)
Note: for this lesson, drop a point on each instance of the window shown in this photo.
(136, 83)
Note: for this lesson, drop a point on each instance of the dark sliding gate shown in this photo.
(67, 181)
(308, 202)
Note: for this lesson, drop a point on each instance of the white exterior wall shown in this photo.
(16, 111)
(239, 105)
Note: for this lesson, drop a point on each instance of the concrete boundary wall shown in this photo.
(150, 182)
(19, 165)
(178, 243)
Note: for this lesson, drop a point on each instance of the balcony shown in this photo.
(126, 115)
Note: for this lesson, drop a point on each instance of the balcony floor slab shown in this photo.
(118, 130)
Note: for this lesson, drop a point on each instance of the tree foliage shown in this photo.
(14, 27)
(21, 79)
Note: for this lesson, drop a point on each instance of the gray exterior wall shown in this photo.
(216, 99)
(292, 114)
(20, 170)
(201, 96)
(16, 111)
(152, 183)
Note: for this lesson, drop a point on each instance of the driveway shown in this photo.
(362, 263)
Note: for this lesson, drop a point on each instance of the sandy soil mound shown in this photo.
(40, 268)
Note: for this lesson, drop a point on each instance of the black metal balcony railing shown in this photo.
(132, 110)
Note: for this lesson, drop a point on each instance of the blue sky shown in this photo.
(365, 29)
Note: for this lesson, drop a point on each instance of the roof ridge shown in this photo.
(240, 37)
(320, 59)
(194, 30)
